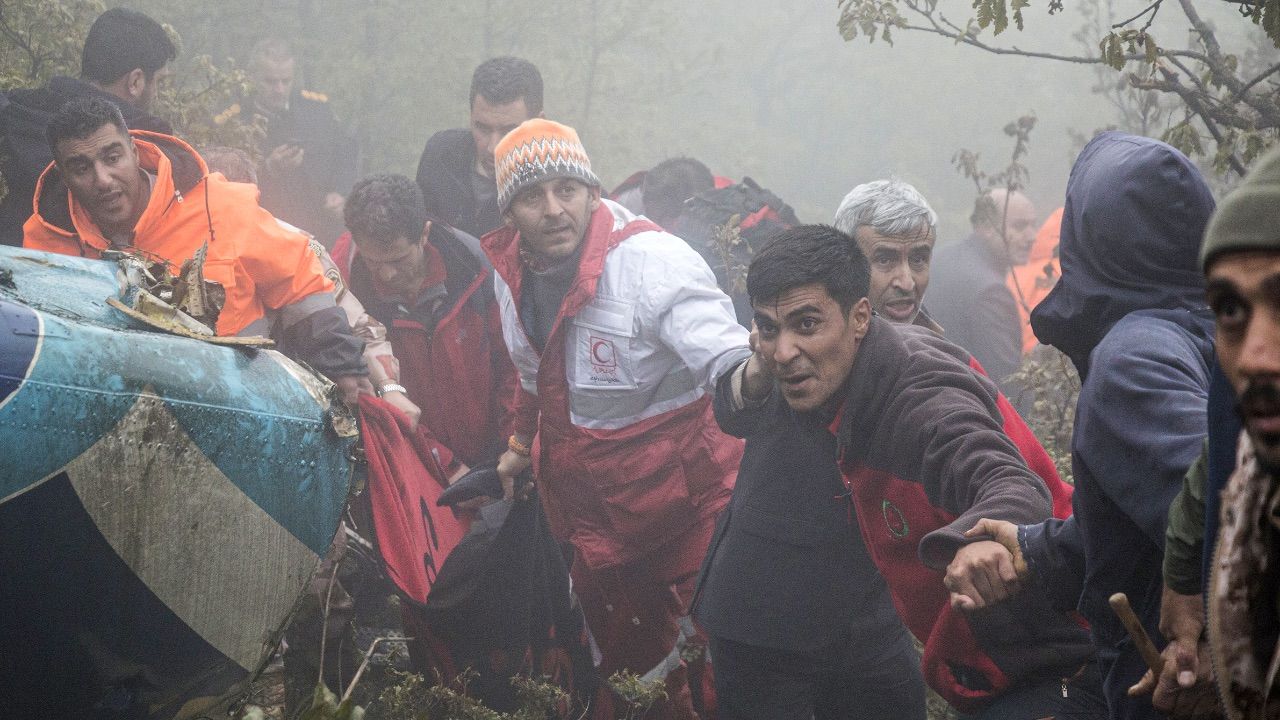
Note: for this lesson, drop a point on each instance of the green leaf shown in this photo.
(1269, 18)
(1254, 145)
(1018, 6)
(348, 710)
(1002, 16)
(1185, 138)
(324, 705)
(986, 12)
(1112, 51)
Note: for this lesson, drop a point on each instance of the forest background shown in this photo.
(755, 88)
(808, 98)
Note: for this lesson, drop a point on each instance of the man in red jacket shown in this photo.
(433, 290)
(871, 449)
(618, 332)
(895, 228)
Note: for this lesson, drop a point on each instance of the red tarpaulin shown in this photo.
(414, 536)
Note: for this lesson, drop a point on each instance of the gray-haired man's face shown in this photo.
(899, 271)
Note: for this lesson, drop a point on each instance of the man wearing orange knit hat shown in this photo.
(619, 334)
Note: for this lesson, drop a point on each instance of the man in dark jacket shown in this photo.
(968, 294)
(1241, 258)
(456, 169)
(125, 60)
(1130, 313)
(895, 228)
(309, 160)
(871, 449)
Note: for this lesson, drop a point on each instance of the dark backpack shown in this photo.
(726, 226)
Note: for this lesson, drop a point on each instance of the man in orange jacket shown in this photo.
(111, 189)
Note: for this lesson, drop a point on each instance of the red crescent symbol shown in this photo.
(602, 352)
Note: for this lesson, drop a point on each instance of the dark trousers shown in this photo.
(1075, 698)
(845, 681)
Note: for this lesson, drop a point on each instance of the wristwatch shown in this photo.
(390, 387)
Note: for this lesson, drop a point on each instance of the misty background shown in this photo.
(759, 88)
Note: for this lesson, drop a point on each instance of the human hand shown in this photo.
(474, 503)
(1005, 533)
(350, 387)
(284, 157)
(1186, 686)
(510, 465)
(401, 402)
(981, 574)
(756, 378)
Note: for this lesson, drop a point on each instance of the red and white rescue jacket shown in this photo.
(627, 452)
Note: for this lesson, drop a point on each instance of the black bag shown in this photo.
(726, 226)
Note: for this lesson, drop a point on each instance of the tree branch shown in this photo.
(1193, 102)
(18, 39)
(1153, 8)
(1195, 79)
(1215, 60)
(964, 37)
(1240, 94)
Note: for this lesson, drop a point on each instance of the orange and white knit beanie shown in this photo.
(539, 150)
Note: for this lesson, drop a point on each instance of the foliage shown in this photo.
(1143, 112)
(1050, 387)
(326, 706)
(733, 254)
(1218, 94)
(637, 694)
(201, 106)
(413, 697)
(1013, 176)
(42, 38)
(1047, 381)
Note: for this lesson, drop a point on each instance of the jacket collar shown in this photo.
(881, 357)
(177, 169)
(926, 321)
(610, 224)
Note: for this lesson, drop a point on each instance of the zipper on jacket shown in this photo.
(177, 197)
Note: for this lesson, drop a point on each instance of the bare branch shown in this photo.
(1153, 8)
(1215, 60)
(365, 663)
(1240, 94)
(940, 25)
(21, 41)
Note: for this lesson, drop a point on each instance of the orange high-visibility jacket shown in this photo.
(260, 263)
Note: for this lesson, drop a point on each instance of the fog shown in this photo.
(752, 88)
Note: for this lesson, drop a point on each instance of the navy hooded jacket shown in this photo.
(1129, 311)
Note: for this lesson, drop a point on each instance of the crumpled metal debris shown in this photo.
(341, 418)
(185, 304)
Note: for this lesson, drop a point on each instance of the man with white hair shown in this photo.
(896, 229)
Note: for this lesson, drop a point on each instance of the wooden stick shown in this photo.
(1120, 604)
